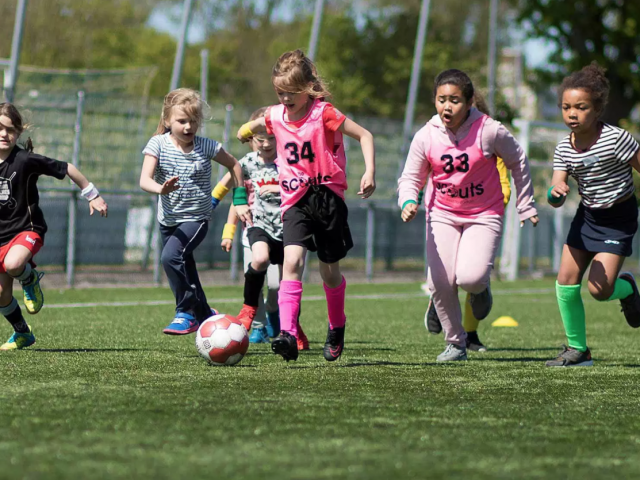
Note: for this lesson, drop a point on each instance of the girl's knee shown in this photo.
(600, 292)
(472, 283)
(260, 263)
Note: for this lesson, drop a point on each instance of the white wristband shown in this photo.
(90, 192)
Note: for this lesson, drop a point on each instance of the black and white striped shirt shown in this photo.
(603, 172)
(192, 201)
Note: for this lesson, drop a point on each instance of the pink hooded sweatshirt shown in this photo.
(492, 140)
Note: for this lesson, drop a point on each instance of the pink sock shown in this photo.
(335, 304)
(289, 298)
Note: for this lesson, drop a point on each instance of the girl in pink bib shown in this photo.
(459, 148)
(312, 176)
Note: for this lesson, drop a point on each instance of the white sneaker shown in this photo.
(453, 353)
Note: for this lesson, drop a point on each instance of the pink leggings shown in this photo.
(460, 253)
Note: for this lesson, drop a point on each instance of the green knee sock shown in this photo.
(572, 313)
(621, 289)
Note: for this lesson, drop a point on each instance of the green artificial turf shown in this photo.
(104, 394)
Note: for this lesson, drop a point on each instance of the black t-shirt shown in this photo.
(19, 210)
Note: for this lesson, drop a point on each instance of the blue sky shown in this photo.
(536, 51)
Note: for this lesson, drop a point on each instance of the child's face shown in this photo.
(9, 134)
(295, 103)
(578, 111)
(182, 127)
(265, 145)
(451, 106)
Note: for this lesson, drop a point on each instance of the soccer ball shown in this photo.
(222, 340)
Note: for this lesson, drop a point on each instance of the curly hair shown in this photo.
(295, 72)
(591, 79)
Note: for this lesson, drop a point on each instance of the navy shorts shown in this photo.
(608, 230)
(318, 221)
(276, 247)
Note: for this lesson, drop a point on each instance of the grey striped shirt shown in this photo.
(192, 201)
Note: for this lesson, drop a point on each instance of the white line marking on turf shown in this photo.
(310, 298)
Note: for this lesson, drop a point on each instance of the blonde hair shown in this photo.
(295, 72)
(9, 110)
(187, 99)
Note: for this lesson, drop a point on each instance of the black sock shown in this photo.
(253, 282)
(13, 314)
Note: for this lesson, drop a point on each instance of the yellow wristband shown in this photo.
(229, 231)
(219, 191)
(245, 131)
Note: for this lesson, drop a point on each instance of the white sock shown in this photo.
(25, 276)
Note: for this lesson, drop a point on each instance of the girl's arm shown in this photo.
(251, 128)
(89, 191)
(148, 184)
(220, 190)
(515, 159)
(355, 131)
(414, 176)
(229, 230)
(557, 193)
(635, 161)
(239, 192)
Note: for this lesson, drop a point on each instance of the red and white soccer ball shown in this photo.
(222, 340)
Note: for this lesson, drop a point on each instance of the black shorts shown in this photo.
(319, 222)
(276, 247)
(608, 230)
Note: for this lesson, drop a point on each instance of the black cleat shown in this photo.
(481, 303)
(286, 345)
(431, 320)
(570, 357)
(334, 345)
(631, 304)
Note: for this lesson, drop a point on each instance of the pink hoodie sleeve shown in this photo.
(497, 139)
(416, 168)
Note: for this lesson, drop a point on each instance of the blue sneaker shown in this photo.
(273, 324)
(18, 341)
(259, 335)
(183, 324)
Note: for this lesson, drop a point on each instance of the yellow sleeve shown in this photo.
(505, 182)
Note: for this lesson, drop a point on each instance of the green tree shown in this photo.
(606, 31)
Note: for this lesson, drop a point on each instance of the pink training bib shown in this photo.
(464, 181)
(304, 158)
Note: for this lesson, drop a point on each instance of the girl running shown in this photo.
(22, 225)
(600, 158)
(459, 147)
(469, 322)
(312, 178)
(177, 167)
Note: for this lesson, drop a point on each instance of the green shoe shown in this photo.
(33, 297)
(18, 341)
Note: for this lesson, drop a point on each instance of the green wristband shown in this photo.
(408, 202)
(552, 199)
(240, 196)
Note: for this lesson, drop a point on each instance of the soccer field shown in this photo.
(104, 394)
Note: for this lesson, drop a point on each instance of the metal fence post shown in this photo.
(369, 253)
(226, 137)
(11, 75)
(235, 254)
(73, 200)
(558, 240)
(149, 241)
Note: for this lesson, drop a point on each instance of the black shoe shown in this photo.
(481, 303)
(431, 320)
(334, 345)
(474, 343)
(631, 304)
(570, 357)
(286, 345)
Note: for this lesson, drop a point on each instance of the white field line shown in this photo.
(309, 298)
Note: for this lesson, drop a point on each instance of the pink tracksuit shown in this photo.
(464, 206)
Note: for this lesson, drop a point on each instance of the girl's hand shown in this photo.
(241, 138)
(98, 204)
(226, 244)
(367, 185)
(409, 212)
(560, 190)
(244, 214)
(265, 189)
(534, 220)
(169, 186)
